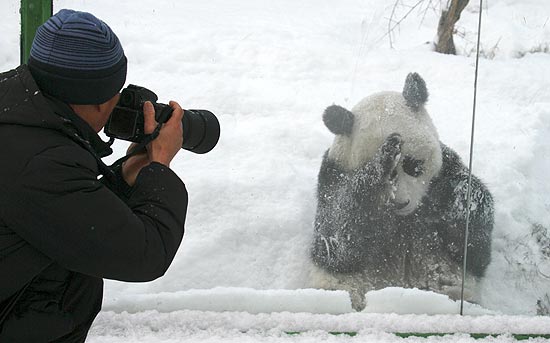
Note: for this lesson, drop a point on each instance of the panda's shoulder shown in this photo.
(329, 166)
(455, 173)
(452, 163)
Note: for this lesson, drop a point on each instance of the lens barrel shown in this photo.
(201, 131)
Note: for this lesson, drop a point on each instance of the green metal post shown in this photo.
(33, 14)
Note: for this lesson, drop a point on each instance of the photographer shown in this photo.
(66, 219)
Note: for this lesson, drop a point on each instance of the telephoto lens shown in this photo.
(201, 131)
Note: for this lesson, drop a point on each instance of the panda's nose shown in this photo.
(400, 205)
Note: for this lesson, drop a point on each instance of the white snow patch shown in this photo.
(236, 300)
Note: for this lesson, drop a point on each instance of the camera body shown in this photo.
(127, 120)
(201, 129)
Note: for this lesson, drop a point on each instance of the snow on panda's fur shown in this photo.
(392, 202)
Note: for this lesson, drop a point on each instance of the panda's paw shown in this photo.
(390, 153)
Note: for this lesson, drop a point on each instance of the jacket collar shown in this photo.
(22, 103)
(74, 122)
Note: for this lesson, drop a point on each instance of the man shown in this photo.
(63, 227)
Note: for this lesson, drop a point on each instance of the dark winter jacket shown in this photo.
(60, 221)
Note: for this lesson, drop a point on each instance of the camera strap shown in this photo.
(141, 146)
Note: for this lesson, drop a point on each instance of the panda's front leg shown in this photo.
(352, 214)
(481, 221)
(370, 223)
(374, 196)
(377, 176)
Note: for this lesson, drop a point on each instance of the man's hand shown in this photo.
(162, 149)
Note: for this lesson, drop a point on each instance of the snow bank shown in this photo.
(236, 300)
(186, 326)
(389, 300)
(414, 301)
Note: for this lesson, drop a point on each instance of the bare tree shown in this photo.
(445, 43)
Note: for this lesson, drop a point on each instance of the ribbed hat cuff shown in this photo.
(79, 87)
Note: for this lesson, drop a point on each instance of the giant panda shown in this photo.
(391, 202)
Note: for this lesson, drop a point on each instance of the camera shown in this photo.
(201, 129)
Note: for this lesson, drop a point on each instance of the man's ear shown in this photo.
(102, 107)
(338, 120)
(95, 115)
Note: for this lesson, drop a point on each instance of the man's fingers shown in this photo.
(149, 117)
(130, 148)
(177, 114)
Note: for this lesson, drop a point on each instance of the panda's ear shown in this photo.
(338, 120)
(415, 91)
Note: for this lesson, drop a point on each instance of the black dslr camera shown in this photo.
(201, 129)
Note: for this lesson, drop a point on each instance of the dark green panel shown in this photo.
(33, 14)
(517, 337)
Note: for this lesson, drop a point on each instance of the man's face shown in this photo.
(105, 111)
(96, 115)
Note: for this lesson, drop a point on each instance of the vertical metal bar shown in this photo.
(33, 14)
(469, 196)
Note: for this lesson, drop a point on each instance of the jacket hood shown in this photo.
(22, 103)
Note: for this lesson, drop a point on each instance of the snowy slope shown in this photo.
(268, 69)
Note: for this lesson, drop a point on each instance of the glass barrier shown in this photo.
(340, 181)
(285, 217)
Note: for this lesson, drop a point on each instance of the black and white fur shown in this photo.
(392, 202)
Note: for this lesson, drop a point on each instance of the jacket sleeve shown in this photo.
(62, 209)
(117, 184)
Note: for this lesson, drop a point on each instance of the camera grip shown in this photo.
(164, 115)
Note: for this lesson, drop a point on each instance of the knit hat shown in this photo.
(77, 58)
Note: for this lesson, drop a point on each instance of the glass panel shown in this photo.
(261, 236)
(269, 71)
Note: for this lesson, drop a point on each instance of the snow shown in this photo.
(268, 69)
(236, 300)
(195, 326)
(389, 300)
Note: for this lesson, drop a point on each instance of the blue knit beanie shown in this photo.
(77, 58)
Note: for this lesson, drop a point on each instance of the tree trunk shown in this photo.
(445, 29)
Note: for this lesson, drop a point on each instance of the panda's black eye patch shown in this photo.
(412, 166)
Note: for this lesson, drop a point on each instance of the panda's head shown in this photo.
(361, 131)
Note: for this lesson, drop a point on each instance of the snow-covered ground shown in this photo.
(195, 326)
(268, 69)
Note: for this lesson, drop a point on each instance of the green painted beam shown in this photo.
(33, 14)
(517, 337)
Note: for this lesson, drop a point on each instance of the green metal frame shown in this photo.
(33, 14)
(517, 337)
